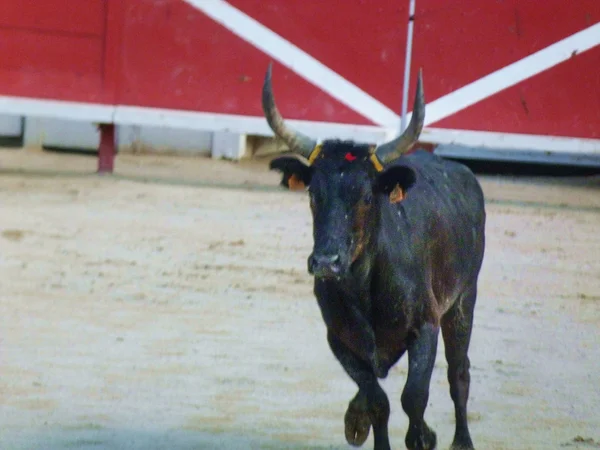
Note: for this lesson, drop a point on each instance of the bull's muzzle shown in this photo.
(324, 266)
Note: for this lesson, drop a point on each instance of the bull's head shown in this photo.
(347, 183)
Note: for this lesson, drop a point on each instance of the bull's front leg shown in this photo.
(366, 336)
(370, 406)
(357, 423)
(421, 359)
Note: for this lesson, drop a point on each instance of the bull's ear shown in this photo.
(395, 182)
(296, 173)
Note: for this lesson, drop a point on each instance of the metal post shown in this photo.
(409, 43)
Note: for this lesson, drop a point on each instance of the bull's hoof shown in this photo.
(421, 439)
(357, 422)
(467, 445)
(462, 440)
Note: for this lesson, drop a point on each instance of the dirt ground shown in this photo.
(168, 307)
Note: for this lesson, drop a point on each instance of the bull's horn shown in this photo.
(394, 149)
(297, 142)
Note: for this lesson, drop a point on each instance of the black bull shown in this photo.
(398, 246)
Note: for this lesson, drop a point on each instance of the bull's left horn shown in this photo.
(297, 142)
(394, 149)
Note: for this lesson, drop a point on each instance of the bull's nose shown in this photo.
(324, 265)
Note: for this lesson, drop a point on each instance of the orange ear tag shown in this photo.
(295, 183)
(397, 194)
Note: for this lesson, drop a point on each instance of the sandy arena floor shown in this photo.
(168, 307)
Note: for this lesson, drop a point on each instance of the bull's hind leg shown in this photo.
(370, 406)
(421, 358)
(456, 330)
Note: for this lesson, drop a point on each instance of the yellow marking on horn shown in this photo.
(376, 163)
(314, 154)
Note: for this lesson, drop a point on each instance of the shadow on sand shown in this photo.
(100, 438)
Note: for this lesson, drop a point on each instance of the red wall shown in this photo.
(561, 101)
(57, 49)
(165, 53)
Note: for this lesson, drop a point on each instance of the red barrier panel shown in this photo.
(54, 49)
(496, 67)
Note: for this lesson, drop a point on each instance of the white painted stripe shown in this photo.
(211, 122)
(350, 95)
(526, 156)
(511, 141)
(512, 74)
(297, 60)
(182, 119)
(193, 120)
(81, 112)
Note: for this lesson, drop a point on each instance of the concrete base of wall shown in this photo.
(10, 126)
(66, 134)
(60, 133)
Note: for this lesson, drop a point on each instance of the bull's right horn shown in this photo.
(297, 142)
